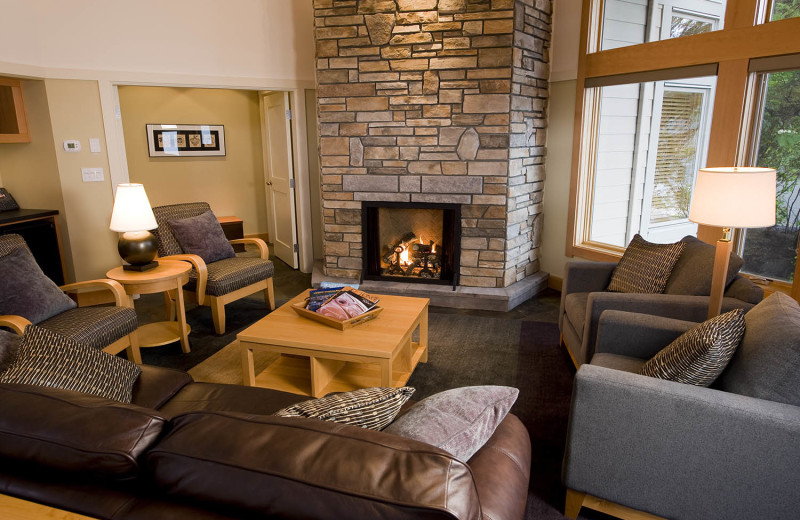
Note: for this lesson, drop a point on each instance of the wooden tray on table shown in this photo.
(300, 309)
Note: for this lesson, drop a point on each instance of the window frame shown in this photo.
(744, 35)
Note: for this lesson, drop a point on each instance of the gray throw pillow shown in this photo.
(203, 236)
(692, 272)
(645, 267)
(371, 408)
(767, 363)
(700, 354)
(45, 358)
(459, 421)
(26, 291)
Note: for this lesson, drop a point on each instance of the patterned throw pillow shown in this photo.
(371, 408)
(45, 358)
(645, 267)
(701, 353)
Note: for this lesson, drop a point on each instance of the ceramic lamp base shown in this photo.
(138, 248)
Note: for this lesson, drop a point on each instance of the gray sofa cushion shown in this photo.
(692, 272)
(203, 236)
(575, 306)
(618, 362)
(26, 291)
(645, 267)
(96, 327)
(699, 355)
(767, 363)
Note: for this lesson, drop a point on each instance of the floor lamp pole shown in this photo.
(720, 274)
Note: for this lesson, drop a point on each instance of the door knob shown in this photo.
(269, 183)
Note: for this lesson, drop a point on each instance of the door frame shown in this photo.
(118, 162)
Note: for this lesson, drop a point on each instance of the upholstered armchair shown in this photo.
(110, 328)
(584, 296)
(682, 451)
(215, 284)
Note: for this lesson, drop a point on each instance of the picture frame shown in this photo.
(172, 140)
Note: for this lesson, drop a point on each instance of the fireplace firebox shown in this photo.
(411, 242)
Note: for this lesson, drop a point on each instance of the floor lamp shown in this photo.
(731, 197)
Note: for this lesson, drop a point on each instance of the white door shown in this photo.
(279, 176)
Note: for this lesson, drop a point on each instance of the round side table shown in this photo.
(170, 275)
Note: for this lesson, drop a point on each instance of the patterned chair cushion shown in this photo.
(167, 243)
(96, 327)
(231, 274)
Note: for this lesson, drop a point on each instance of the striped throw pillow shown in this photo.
(701, 353)
(645, 267)
(46, 358)
(372, 408)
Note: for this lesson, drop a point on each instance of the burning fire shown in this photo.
(404, 256)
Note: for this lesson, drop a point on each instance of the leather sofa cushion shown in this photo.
(74, 432)
(157, 385)
(298, 468)
(211, 397)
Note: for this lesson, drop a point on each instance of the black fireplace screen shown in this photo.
(411, 242)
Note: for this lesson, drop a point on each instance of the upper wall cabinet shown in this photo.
(13, 123)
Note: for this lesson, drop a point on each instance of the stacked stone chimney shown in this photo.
(435, 101)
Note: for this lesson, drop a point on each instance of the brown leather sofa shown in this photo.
(187, 450)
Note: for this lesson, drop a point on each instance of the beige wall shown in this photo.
(242, 38)
(561, 115)
(75, 114)
(30, 170)
(233, 184)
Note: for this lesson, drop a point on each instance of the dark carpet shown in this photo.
(519, 348)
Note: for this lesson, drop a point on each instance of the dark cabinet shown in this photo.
(39, 229)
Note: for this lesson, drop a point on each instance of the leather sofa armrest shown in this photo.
(306, 468)
(637, 335)
(681, 451)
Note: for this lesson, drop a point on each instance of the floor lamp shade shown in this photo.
(734, 197)
(133, 217)
(731, 197)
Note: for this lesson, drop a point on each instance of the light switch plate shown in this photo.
(92, 174)
(94, 145)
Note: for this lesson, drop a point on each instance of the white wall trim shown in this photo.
(302, 175)
(115, 139)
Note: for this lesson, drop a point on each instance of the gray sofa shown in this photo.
(681, 451)
(584, 298)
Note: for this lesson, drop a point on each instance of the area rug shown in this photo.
(467, 350)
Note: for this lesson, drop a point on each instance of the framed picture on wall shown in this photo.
(185, 140)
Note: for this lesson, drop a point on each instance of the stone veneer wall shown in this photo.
(436, 101)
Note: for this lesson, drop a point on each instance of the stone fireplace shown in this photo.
(435, 101)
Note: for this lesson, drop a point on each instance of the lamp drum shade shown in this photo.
(734, 197)
(132, 211)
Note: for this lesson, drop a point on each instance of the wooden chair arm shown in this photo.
(15, 323)
(120, 297)
(262, 246)
(202, 272)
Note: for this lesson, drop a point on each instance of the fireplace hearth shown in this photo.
(411, 242)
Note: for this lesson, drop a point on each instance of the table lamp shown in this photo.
(133, 217)
(731, 197)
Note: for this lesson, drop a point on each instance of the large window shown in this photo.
(668, 87)
(651, 139)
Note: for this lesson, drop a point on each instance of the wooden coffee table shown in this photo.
(314, 359)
